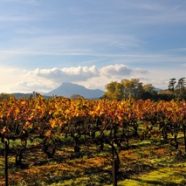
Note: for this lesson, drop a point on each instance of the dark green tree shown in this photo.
(114, 90)
(172, 83)
(132, 88)
(181, 88)
(149, 92)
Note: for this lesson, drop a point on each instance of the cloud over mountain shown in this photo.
(93, 77)
(83, 73)
(89, 76)
(67, 74)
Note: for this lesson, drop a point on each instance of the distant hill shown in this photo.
(16, 95)
(22, 95)
(71, 89)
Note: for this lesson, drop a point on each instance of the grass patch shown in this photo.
(173, 174)
(145, 164)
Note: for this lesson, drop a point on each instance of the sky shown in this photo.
(44, 43)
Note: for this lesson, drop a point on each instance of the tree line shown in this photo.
(135, 89)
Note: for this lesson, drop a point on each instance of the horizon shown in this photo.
(45, 93)
(90, 43)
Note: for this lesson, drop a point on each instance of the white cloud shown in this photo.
(43, 80)
(67, 74)
(115, 70)
(20, 80)
(9, 77)
(84, 73)
(89, 76)
(38, 85)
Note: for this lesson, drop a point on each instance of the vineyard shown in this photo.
(56, 140)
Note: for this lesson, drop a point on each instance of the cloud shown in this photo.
(90, 76)
(115, 70)
(84, 73)
(67, 74)
(46, 79)
(38, 85)
(20, 80)
(9, 77)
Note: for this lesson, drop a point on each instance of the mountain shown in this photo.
(70, 89)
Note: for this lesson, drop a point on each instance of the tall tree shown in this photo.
(132, 88)
(149, 92)
(172, 83)
(181, 88)
(114, 90)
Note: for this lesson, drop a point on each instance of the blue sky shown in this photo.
(44, 43)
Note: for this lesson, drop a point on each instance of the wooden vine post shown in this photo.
(115, 165)
(184, 133)
(114, 172)
(6, 161)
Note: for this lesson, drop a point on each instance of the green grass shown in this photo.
(145, 163)
(174, 174)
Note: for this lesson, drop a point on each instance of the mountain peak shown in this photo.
(68, 89)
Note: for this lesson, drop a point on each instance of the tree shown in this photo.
(129, 88)
(114, 90)
(171, 85)
(181, 84)
(149, 92)
(132, 88)
(181, 88)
